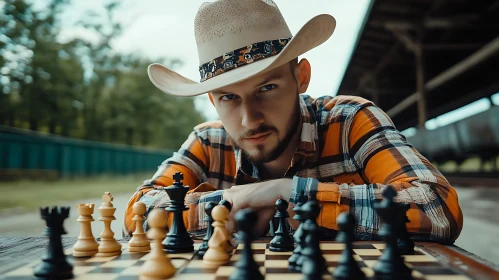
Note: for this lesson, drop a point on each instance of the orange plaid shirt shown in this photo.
(349, 151)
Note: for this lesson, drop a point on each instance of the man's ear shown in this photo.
(303, 74)
(211, 98)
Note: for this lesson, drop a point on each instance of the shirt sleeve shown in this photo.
(384, 157)
(191, 160)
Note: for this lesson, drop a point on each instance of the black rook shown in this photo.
(54, 265)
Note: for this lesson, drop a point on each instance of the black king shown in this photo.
(178, 239)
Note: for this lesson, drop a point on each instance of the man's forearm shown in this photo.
(431, 217)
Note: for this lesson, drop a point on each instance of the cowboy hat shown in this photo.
(237, 40)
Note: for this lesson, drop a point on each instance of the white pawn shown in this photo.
(217, 254)
(157, 264)
(86, 246)
(109, 246)
(139, 241)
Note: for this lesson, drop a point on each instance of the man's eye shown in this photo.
(227, 97)
(268, 87)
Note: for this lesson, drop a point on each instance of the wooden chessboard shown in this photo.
(272, 264)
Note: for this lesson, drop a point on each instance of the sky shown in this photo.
(164, 28)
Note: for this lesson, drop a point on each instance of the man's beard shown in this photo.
(265, 157)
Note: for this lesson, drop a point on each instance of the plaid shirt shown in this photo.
(349, 152)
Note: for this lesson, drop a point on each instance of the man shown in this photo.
(273, 141)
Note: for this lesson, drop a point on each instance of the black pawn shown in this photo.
(282, 241)
(313, 265)
(298, 236)
(406, 245)
(226, 203)
(54, 265)
(246, 267)
(209, 232)
(347, 268)
(391, 264)
(178, 239)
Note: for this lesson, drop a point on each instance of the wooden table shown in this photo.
(19, 251)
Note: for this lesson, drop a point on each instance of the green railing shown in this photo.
(30, 154)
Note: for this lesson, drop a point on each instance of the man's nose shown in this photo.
(252, 117)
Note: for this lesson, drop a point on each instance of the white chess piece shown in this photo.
(139, 241)
(157, 264)
(86, 246)
(217, 254)
(109, 246)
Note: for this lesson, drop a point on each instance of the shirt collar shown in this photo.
(306, 148)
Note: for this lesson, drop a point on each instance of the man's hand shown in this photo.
(261, 197)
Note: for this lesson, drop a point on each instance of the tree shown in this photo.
(35, 65)
(83, 89)
(145, 115)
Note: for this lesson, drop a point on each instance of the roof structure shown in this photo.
(418, 59)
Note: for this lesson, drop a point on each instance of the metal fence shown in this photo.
(30, 154)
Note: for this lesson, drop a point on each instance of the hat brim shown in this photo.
(313, 33)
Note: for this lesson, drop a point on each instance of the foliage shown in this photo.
(83, 88)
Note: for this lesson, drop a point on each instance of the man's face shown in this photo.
(261, 114)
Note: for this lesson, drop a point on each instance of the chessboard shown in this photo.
(155, 253)
(273, 265)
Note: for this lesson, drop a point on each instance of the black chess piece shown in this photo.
(246, 267)
(54, 264)
(404, 243)
(298, 236)
(390, 264)
(282, 241)
(313, 265)
(347, 268)
(209, 232)
(226, 203)
(178, 239)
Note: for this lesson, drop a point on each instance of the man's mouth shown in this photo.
(257, 138)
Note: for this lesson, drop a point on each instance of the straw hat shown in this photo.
(238, 39)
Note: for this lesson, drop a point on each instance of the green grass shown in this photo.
(27, 195)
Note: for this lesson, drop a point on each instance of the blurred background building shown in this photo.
(76, 103)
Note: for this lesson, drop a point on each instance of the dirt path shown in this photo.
(31, 224)
(481, 222)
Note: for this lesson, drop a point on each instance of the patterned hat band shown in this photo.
(241, 57)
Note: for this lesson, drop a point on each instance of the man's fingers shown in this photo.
(264, 217)
(230, 226)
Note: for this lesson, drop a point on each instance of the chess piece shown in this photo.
(298, 236)
(282, 241)
(246, 267)
(139, 241)
(157, 265)
(217, 254)
(178, 239)
(347, 268)
(209, 232)
(86, 246)
(390, 264)
(228, 246)
(109, 246)
(54, 264)
(226, 203)
(405, 245)
(312, 262)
